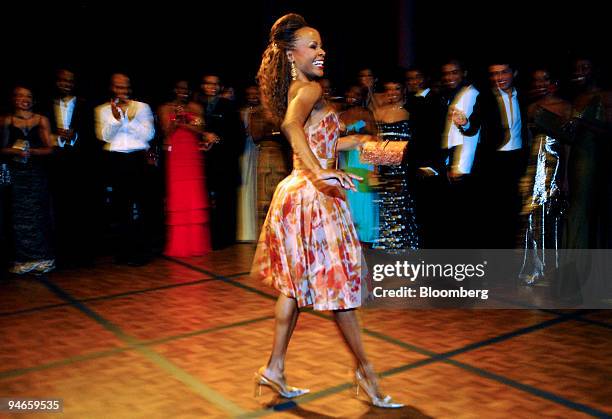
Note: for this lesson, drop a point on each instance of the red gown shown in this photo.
(188, 232)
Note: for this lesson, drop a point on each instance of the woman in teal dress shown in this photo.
(357, 119)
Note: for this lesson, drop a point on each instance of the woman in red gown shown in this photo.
(188, 232)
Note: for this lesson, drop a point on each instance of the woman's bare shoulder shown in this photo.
(308, 89)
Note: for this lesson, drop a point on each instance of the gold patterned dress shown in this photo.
(308, 248)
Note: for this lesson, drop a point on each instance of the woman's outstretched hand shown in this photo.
(345, 179)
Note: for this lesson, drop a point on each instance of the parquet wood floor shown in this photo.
(182, 338)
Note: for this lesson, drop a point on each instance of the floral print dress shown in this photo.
(308, 248)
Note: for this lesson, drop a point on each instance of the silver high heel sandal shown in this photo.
(287, 392)
(384, 402)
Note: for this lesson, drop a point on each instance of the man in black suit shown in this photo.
(460, 136)
(425, 155)
(73, 183)
(505, 139)
(222, 160)
(425, 118)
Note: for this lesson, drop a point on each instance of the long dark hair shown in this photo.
(274, 75)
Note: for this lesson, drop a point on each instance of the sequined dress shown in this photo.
(308, 248)
(398, 229)
(542, 207)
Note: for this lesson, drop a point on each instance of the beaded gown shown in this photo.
(398, 229)
(308, 248)
(542, 206)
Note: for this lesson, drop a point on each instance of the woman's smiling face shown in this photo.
(308, 54)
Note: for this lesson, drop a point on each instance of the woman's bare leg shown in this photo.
(348, 323)
(286, 314)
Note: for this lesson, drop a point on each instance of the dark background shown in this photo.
(156, 44)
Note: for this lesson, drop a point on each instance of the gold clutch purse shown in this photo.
(383, 153)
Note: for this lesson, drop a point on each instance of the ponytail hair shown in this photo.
(274, 75)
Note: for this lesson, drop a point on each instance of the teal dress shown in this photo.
(362, 203)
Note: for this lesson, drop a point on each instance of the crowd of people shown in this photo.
(489, 165)
(79, 181)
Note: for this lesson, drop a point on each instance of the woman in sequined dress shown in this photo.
(543, 184)
(398, 229)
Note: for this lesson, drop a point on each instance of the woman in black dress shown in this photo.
(398, 229)
(25, 144)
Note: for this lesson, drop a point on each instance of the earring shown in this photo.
(293, 71)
